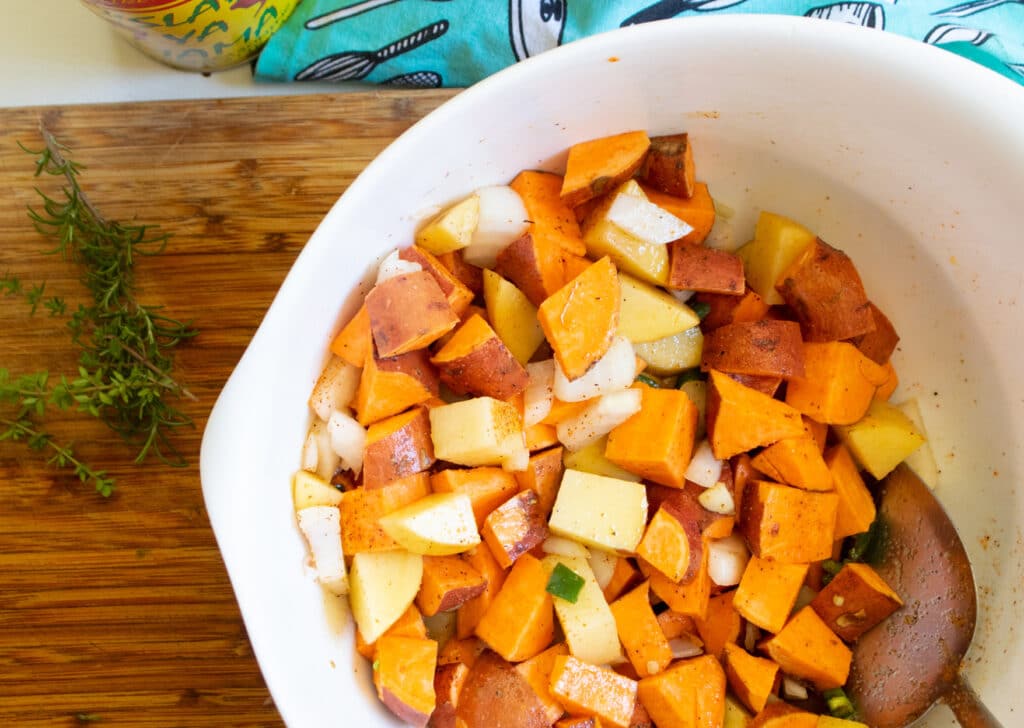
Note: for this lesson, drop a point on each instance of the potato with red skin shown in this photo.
(408, 312)
(397, 447)
(404, 677)
(476, 360)
(496, 696)
(697, 268)
(765, 348)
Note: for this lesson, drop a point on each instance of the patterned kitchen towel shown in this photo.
(432, 43)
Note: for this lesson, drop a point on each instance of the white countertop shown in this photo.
(58, 52)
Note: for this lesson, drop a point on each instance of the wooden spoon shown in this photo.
(911, 660)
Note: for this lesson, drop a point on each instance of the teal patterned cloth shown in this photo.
(433, 43)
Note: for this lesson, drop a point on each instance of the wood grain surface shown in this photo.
(119, 611)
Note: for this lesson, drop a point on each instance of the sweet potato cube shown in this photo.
(408, 312)
(730, 309)
(592, 690)
(392, 385)
(697, 268)
(448, 582)
(657, 442)
(599, 165)
(455, 291)
(855, 600)
(537, 672)
(624, 576)
(690, 694)
(767, 592)
(824, 290)
(550, 217)
(788, 524)
(448, 682)
(404, 677)
(765, 348)
(354, 341)
(783, 715)
(487, 487)
(838, 383)
(543, 475)
(807, 648)
(496, 696)
(740, 418)
(645, 642)
(520, 621)
(476, 360)
(515, 527)
(795, 461)
(878, 345)
(721, 625)
(690, 599)
(698, 210)
(669, 166)
(534, 264)
(751, 678)
(410, 624)
(666, 546)
(471, 611)
(581, 317)
(856, 509)
(362, 508)
(396, 447)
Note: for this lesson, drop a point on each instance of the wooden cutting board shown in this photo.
(119, 611)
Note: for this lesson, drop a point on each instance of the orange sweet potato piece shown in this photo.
(551, 217)
(537, 672)
(856, 510)
(448, 582)
(543, 475)
(599, 165)
(838, 383)
(392, 385)
(728, 309)
(767, 592)
(657, 442)
(519, 623)
(461, 651)
(788, 524)
(740, 418)
(354, 341)
(396, 447)
(639, 631)
(878, 345)
(624, 576)
(534, 264)
(669, 166)
(458, 294)
(751, 678)
(691, 598)
(404, 677)
(721, 626)
(471, 276)
(580, 318)
(765, 348)
(698, 268)
(487, 487)
(361, 509)
(410, 624)
(783, 715)
(797, 461)
(854, 601)
(476, 360)
(592, 690)
(671, 546)
(470, 613)
(448, 682)
(515, 527)
(496, 696)
(807, 648)
(408, 312)
(690, 694)
(698, 210)
(824, 290)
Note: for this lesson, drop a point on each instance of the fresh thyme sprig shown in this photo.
(126, 348)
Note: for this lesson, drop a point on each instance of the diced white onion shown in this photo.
(704, 469)
(718, 499)
(642, 219)
(321, 525)
(393, 266)
(503, 218)
(598, 419)
(348, 440)
(684, 646)
(793, 689)
(540, 392)
(727, 559)
(614, 371)
(565, 547)
(335, 388)
(602, 563)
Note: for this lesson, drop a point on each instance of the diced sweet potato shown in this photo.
(730, 309)
(515, 527)
(396, 447)
(721, 625)
(534, 264)
(543, 475)
(599, 165)
(807, 648)
(765, 348)
(783, 715)
(690, 694)
(669, 166)
(496, 696)
(795, 461)
(392, 385)
(470, 613)
(698, 210)
(697, 268)
(672, 545)
(767, 592)
(520, 621)
(656, 443)
(580, 319)
(361, 509)
(487, 487)
(448, 682)
(448, 582)
(645, 642)
(856, 509)
(751, 678)
(740, 418)
(537, 672)
(788, 524)
(838, 383)
(855, 600)
(550, 217)
(410, 624)
(476, 360)
(404, 677)
(458, 295)
(824, 290)
(408, 312)
(591, 690)
(354, 341)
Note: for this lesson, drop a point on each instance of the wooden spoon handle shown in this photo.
(967, 706)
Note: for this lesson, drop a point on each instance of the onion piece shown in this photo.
(393, 266)
(616, 370)
(348, 440)
(598, 419)
(704, 469)
(727, 559)
(503, 218)
(540, 392)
